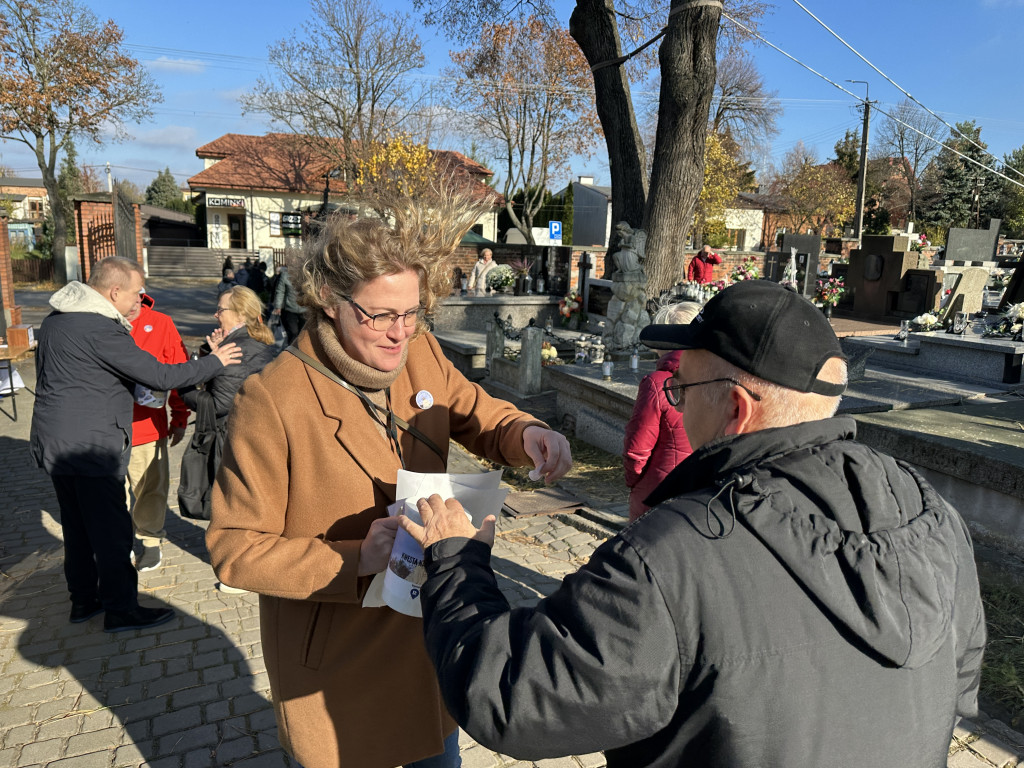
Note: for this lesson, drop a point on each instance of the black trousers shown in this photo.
(97, 540)
(292, 322)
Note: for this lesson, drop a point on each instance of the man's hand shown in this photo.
(445, 520)
(277, 311)
(550, 452)
(376, 547)
(177, 435)
(228, 354)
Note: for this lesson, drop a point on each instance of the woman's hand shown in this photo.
(215, 338)
(550, 452)
(376, 547)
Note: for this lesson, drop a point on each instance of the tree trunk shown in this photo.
(688, 71)
(593, 26)
(60, 223)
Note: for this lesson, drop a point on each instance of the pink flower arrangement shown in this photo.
(830, 291)
(569, 305)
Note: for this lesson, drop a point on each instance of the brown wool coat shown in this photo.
(305, 472)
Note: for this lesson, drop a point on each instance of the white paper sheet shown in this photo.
(398, 587)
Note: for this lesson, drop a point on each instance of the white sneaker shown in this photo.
(230, 590)
(149, 560)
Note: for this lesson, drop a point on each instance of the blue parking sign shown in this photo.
(555, 230)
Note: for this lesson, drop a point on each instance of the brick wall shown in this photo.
(94, 228)
(7, 274)
(466, 257)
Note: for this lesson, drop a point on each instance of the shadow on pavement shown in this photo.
(183, 691)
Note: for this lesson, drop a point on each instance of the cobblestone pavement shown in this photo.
(194, 692)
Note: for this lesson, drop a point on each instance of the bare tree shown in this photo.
(344, 81)
(686, 58)
(529, 91)
(899, 139)
(742, 106)
(64, 75)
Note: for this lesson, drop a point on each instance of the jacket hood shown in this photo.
(670, 361)
(866, 536)
(79, 297)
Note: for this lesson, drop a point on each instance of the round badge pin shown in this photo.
(424, 399)
(148, 328)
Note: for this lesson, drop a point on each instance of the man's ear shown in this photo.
(741, 412)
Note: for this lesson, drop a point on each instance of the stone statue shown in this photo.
(627, 313)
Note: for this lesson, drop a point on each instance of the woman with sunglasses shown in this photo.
(655, 440)
(300, 509)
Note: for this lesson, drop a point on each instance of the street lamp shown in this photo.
(863, 174)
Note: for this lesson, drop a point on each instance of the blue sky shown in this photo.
(960, 58)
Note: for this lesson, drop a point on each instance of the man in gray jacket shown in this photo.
(87, 368)
(793, 598)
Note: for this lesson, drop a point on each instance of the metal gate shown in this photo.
(124, 226)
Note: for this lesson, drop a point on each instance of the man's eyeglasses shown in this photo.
(676, 393)
(383, 321)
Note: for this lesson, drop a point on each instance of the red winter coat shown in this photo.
(655, 439)
(702, 267)
(155, 332)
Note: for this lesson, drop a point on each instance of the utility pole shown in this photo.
(862, 178)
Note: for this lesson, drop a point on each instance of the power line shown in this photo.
(903, 91)
(834, 84)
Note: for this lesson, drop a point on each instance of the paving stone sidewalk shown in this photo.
(194, 692)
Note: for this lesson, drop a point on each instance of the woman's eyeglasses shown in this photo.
(676, 393)
(383, 321)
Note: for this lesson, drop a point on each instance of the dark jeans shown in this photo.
(97, 540)
(292, 322)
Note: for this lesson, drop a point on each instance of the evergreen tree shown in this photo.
(70, 185)
(960, 193)
(1012, 208)
(163, 190)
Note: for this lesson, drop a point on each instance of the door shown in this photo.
(236, 230)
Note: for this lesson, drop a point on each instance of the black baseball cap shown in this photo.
(762, 328)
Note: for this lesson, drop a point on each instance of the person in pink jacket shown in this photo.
(655, 439)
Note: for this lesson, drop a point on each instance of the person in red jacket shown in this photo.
(655, 439)
(148, 476)
(702, 266)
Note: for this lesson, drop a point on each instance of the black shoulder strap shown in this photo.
(320, 368)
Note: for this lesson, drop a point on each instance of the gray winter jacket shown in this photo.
(794, 599)
(87, 368)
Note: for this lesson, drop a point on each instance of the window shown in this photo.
(286, 224)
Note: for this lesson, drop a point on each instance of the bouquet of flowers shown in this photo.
(1001, 278)
(748, 270)
(549, 355)
(830, 291)
(501, 276)
(570, 305)
(521, 266)
(925, 322)
(1010, 324)
(710, 289)
(921, 243)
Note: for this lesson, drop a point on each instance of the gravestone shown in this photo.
(967, 293)
(972, 245)
(876, 276)
(808, 257)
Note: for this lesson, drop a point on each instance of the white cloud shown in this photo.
(171, 137)
(180, 66)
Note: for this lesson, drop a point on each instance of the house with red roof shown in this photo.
(258, 190)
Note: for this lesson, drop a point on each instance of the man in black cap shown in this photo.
(793, 598)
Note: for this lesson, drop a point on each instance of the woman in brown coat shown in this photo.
(299, 512)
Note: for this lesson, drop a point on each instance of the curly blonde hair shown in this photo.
(419, 235)
(248, 306)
